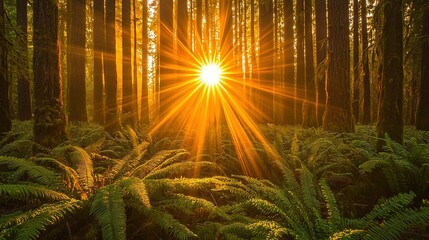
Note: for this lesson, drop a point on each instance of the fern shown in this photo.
(128, 163)
(308, 189)
(155, 161)
(181, 169)
(109, 209)
(331, 203)
(135, 188)
(25, 192)
(83, 164)
(29, 225)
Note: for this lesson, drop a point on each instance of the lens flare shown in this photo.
(211, 74)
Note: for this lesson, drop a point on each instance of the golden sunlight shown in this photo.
(211, 74)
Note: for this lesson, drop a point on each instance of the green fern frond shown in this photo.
(181, 169)
(83, 164)
(331, 203)
(348, 234)
(395, 226)
(155, 161)
(257, 230)
(25, 192)
(180, 185)
(21, 168)
(369, 166)
(308, 189)
(129, 162)
(29, 225)
(109, 209)
(136, 188)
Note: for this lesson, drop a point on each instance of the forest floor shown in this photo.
(314, 185)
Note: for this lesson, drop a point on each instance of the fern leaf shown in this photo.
(331, 203)
(25, 192)
(155, 161)
(83, 163)
(109, 209)
(308, 189)
(128, 163)
(347, 234)
(181, 169)
(136, 188)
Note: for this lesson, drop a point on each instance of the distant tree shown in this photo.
(135, 67)
(356, 75)
(338, 115)
(300, 61)
(266, 70)
(76, 64)
(289, 67)
(99, 39)
(390, 105)
(165, 48)
(111, 123)
(309, 118)
(366, 105)
(5, 121)
(321, 44)
(422, 116)
(49, 119)
(127, 81)
(24, 96)
(145, 41)
(226, 29)
(199, 27)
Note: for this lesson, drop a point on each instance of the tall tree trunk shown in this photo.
(99, 39)
(24, 97)
(321, 44)
(309, 118)
(366, 105)
(338, 116)
(422, 116)
(76, 53)
(254, 77)
(300, 61)
(289, 67)
(356, 77)
(390, 105)
(49, 119)
(166, 48)
(145, 91)
(111, 123)
(199, 28)
(135, 88)
(127, 81)
(5, 121)
(266, 68)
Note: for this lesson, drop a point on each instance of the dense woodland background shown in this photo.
(318, 129)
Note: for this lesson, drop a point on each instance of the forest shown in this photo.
(214, 119)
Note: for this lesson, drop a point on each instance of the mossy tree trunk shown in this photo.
(366, 104)
(24, 96)
(128, 115)
(289, 67)
(145, 91)
(5, 123)
(111, 123)
(390, 105)
(422, 116)
(338, 116)
(76, 54)
(49, 119)
(309, 118)
(300, 61)
(321, 44)
(99, 39)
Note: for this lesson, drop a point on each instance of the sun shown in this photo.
(210, 74)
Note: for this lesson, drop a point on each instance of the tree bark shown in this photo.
(321, 44)
(76, 78)
(289, 67)
(166, 50)
(366, 105)
(422, 116)
(5, 121)
(99, 39)
(390, 105)
(127, 81)
(338, 116)
(300, 61)
(111, 83)
(266, 68)
(356, 77)
(309, 118)
(49, 119)
(24, 96)
(145, 91)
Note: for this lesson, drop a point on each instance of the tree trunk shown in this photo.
(309, 118)
(127, 81)
(266, 68)
(356, 78)
(145, 91)
(390, 105)
(24, 96)
(366, 105)
(135, 61)
(99, 39)
(111, 83)
(6, 124)
(300, 61)
(338, 116)
(254, 76)
(166, 49)
(289, 67)
(49, 119)
(76, 78)
(422, 116)
(321, 44)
